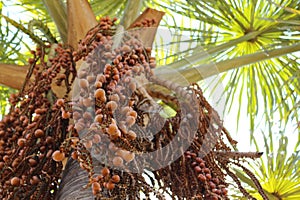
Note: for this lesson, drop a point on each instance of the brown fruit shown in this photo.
(65, 115)
(91, 78)
(34, 180)
(105, 171)
(206, 170)
(224, 191)
(5, 158)
(58, 156)
(112, 105)
(15, 181)
(199, 160)
(98, 85)
(212, 185)
(113, 130)
(201, 177)
(87, 116)
(82, 74)
(60, 102)
(100, 94)
(208, 176)
(96, 138)
(197, 169)
(76, 115)
(128, 156)
(101, 78)
(130, 120)
(216, 180)
(88, 144)
(114, 97)
(32, 162)
(96, 187)
(83, 83)
(125, 110)
(15, 163)
(79, 126)
(87, 102)
(115, 178)
(126, 48)
(49, 140)
(112, 146)
(21, 142)
(202, 165)
(117, 161)
(39, 133)
(132, 113)
(39, 111)
(98, 118)
(214, 197)
(110, 185)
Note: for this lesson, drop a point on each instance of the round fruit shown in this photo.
(15, 181)
(115, 178)
(117, 161)
(105, 171)
(58, 156)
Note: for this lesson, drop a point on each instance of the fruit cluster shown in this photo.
(105, 126)
(215, 189)
(33, 130)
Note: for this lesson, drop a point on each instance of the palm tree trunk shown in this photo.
(72, 184)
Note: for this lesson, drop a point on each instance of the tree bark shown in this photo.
(74, 180)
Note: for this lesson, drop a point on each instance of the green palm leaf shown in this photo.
(232, 32)
(278, 170)
(42, 11)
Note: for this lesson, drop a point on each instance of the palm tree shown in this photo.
(252, 43)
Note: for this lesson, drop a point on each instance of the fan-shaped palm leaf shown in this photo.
(259, 35)
(278, 170)
(43, 11)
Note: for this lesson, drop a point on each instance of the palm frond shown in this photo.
(37, 10)
(10, 40)
(233, 31)
(112, 8)
(278, 170)
(4, 95)
(20, 27)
